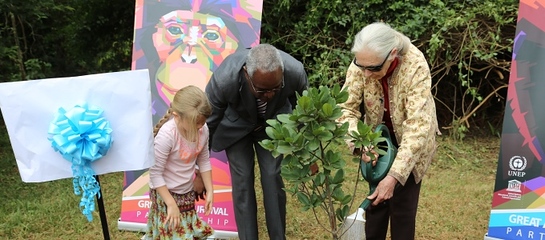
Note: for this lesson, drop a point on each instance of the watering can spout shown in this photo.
(353, 227)
(358, 215)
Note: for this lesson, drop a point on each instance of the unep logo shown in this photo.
(517, 163)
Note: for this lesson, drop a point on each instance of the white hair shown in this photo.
(380, 38)
(264, 57)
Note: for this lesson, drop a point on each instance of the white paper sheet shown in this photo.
(28, 108)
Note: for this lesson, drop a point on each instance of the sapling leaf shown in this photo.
(284, 118)
(317, 131)
(325, 135)
(346, 200)
(341, 213)
(305, 119)
(331, 126)
(338, 193)
(270, 132)
(337, 112)
(315, 200)
(303, 198)
(284, 148)
(327, 109)
(363, 129)
(313, 144)
(335, 90)
(339, 176)
(267, 144)
(304, 102)
(319, 179)
(380, 151)
(273, 123)
(338, 164)
(342, 97)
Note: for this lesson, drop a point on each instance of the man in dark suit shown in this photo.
(249, 87)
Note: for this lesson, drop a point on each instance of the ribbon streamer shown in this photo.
(81, 135)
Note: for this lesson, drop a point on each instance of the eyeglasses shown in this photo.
(261, 91)
(373, 68)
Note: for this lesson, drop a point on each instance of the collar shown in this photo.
(391, 69)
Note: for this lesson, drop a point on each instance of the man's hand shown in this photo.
(198, 186)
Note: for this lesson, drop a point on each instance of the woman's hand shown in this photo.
(365, 155)
(384, 190)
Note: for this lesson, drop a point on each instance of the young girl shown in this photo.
(181, 142)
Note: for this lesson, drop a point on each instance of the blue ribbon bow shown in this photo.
(81, 135)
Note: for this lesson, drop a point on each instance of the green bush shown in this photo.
(467, 43)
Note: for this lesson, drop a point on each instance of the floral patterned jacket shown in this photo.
(412, 110)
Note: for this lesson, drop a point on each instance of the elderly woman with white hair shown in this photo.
(389, 83)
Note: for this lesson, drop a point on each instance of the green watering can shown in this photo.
(374, 174)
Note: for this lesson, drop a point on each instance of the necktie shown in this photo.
(261, 107)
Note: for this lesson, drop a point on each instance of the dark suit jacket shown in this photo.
(234, 110)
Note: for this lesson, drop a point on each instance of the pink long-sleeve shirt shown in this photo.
(175, 158)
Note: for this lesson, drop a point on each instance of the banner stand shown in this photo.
(518, 201)
(181, 43)
(102, 211)
(141, 227)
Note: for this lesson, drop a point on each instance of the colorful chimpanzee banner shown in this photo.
(182, 42)
(518, 205)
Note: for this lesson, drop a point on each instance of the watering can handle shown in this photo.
(365, 204)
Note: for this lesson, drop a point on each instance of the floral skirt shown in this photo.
(191, 226)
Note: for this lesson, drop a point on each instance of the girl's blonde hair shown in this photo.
(189, 103)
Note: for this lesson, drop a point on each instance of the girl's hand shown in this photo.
(173, 216)
(365, 155)
(208, 204)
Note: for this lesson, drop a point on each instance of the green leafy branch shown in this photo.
(310, 136)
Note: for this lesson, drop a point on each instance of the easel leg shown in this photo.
(102, 212)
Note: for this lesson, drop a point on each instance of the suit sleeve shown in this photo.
(218, 102)
(302, 81)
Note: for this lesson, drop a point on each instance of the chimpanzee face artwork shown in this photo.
(189, 44)
(183, 42)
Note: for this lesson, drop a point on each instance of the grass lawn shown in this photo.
(455, 199)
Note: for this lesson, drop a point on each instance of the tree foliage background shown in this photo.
(467, 43)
